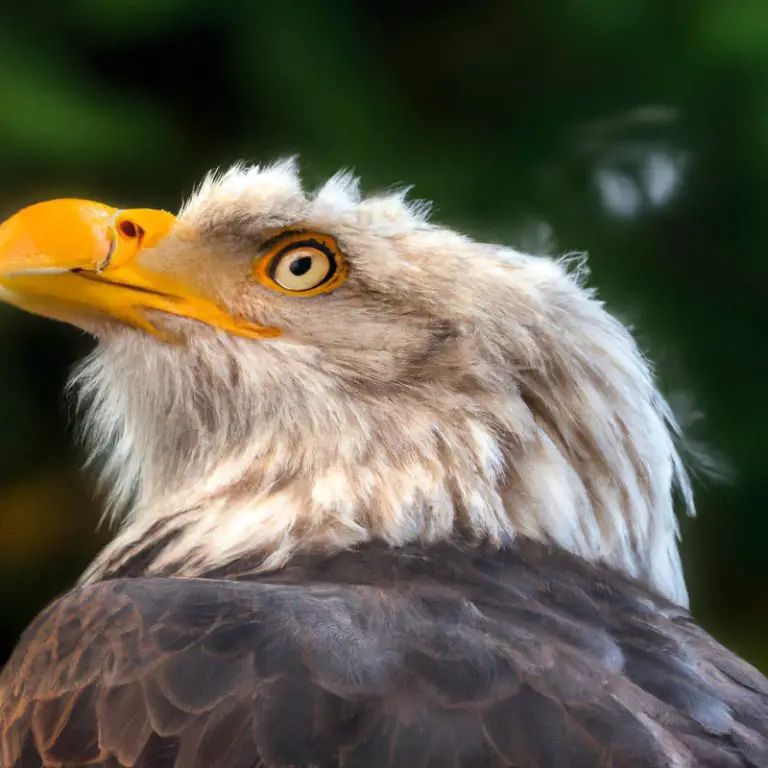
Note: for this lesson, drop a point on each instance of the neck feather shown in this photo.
(491, 469)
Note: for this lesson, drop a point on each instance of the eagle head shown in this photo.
(281, 371)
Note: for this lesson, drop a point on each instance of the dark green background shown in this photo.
(636, 130)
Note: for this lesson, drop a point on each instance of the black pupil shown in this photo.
(301, 266)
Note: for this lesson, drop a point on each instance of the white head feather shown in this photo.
(448, 388)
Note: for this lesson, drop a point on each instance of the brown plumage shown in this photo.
(441, 656)
(403, 500)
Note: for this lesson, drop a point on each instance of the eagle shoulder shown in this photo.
(374, 658)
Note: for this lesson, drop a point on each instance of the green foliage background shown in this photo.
(634, 130)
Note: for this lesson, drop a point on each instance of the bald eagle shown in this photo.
(386, 496)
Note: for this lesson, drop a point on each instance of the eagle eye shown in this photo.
(301, 263)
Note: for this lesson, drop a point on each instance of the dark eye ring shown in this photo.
(302, 264)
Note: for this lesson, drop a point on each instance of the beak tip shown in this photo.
(64, 233)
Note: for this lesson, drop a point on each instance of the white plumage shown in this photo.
(451, 386)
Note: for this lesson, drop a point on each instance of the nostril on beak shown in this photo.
(130, 229)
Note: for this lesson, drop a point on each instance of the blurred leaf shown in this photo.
(51, 111)
(734, 29)
(38, 518)
(126, 19)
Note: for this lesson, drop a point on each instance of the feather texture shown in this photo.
(449, 387)
(380, 657)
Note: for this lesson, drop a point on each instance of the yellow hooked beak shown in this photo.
(76, 261)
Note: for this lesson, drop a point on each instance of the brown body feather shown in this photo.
(445, 656)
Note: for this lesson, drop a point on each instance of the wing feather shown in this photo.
(452, 659)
